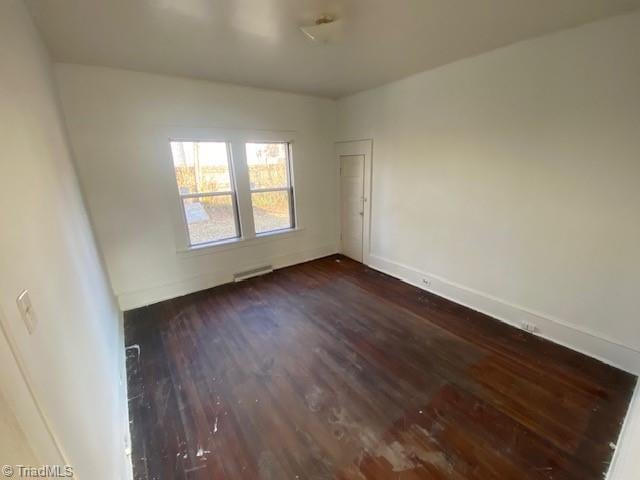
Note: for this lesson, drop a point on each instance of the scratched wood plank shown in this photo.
(331, 370)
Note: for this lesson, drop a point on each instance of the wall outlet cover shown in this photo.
(529, 327)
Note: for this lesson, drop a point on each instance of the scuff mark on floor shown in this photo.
(202, 452)
(193, 469)
(401, 455)
(314, 398)
(269, 468)
(395, 454)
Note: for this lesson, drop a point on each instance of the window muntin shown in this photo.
(205, 182)
(269, 170)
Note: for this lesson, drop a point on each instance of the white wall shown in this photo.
(512, 180)
(119, 123)
(73, 362)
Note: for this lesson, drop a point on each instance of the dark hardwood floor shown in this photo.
(331, 370)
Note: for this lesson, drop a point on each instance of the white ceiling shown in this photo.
(257, 42)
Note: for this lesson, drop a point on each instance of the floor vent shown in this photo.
(254, 272)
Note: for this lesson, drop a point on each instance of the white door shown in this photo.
(352, 208)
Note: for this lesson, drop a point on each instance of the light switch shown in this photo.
(26, 311)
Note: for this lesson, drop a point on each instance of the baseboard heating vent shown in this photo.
(254, 272)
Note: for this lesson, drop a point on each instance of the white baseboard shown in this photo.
(558, 331)
(124, 405)
(624, 464)
(140, 298)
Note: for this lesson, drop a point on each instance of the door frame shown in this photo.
(358, 147)
(24, 403)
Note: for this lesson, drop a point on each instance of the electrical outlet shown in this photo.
(529, 327)
(26, 311)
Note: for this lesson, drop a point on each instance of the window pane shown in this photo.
(271, 211)
(201, 167)
(210, 219)
(267, 163)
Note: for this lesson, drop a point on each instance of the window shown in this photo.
(231, 189)
(271, 187)
(205, 182)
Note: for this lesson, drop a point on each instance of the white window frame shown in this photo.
(233, 193)
(287, 188)
(236, 141)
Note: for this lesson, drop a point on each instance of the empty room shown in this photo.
(320, 239)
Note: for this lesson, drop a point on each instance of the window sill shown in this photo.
(235, 243)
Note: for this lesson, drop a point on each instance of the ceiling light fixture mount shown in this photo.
(325, 29)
